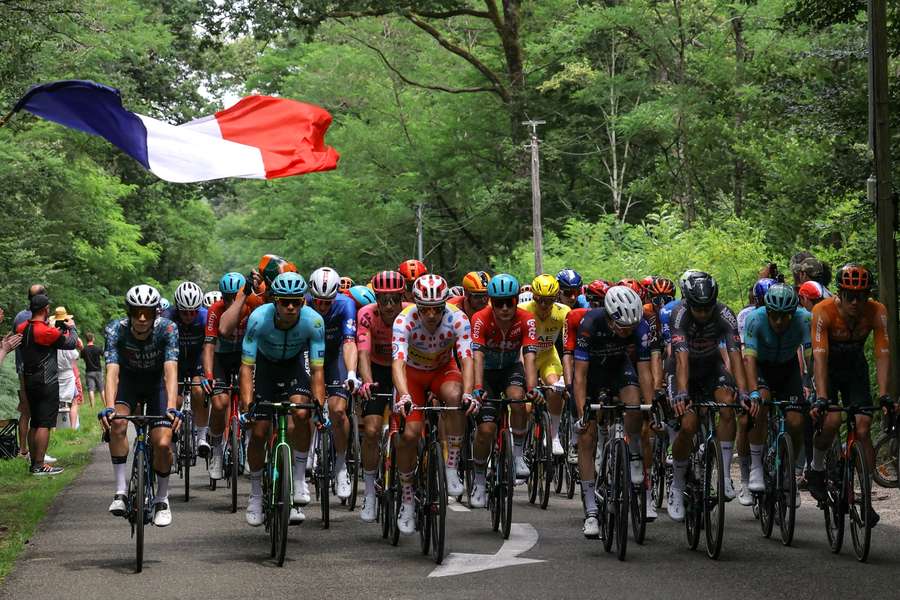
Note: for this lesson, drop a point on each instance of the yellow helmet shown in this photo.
(545, 285)
(475, 282)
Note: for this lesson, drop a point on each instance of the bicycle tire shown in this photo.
(381, 486)
(139, 511)
(423, 497)
(713, 499)
(545, 474)
(658, 470)
(621, 497)
(268, 498)
(396, 491)
(529, 452)
(604, 499)
(861, 506)
(638, 513)
(283, 503)
(353, 461)
(765, 504)
(186, 451)
(466, 466)
(834, 503)
(438, 511)
(507, 483)
(787, 490)
(494, 484)
(886, 472)
(324, 475)
(234, 445)
(561, 463)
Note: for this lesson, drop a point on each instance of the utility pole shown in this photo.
(885, 200)
(537, 229)
(420, 233)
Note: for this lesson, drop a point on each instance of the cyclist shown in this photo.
(457, 291)
(361, 296)
(603, 364)
(164, 305)
(411, 270)
(840, 327)
(345, 284)
(499, 332)
(550, 318)
(211, 298)
(142, 367)
(570, 289)
(254, 293)
(339, 313)
(274, 368)
(811, 293)
(474, 296)
(373, 341)
(525, 296)
(423, 336)
(772, 335)
(189, 316)
(698, 325)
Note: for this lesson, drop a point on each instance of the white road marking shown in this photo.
(522, 538)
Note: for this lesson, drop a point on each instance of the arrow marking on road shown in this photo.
(522, 538)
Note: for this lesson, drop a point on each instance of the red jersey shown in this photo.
(501, 348)
(570, 331)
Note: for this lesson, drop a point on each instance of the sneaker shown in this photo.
(816, 482)
(301, 493)
(572, 458)
(675, 505)
(730, 494)
(757, 481)
(406, 518)
(254, 514)
(479, 496)
(557, 448)
(522, 470)
(45, 469)
(50, 460)
(117, 507)
(203, 450)
(297, 516)
(745, 497)
(651, 507)
(343, 484)
(368, 514)
(162, 515)
(637, 470)
(591, 527)
(454, 485)
(216, 469)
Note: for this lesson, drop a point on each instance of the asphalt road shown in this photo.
(81, 552)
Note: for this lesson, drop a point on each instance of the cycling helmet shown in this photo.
(525, 296)
(270, 266)
(525, 287)
(362, 295)
(648, 281)
(188, 296)
(660, 286)
(812, 290)
(700, 290)
(781, 298)
(324, 283)
(854, 277)
(164, 304)
(211, 298)
(623, 305)
(503, 286)
(760, 289)
(597, 289)
(288, 285)
(345, 284)
(412, 269)
(388, 282)
(142, 296)
(685, 276)
(545, 285)
(457, 290)
(231, 283)
(568, 279)
(635, 285)
(476, 282)
(430, 290)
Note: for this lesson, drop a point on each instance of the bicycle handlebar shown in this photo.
(640, 407)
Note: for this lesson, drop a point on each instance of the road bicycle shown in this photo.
(538, 452)
(777, 503)
(185, 440)
(235, 438)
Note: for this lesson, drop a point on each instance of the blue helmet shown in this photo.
(231, 283)
(289, 285)
(759, 290)
(362, 295)
(503, 286)
(569, 278)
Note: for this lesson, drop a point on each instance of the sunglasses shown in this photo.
(323, 302)
(570, 292)
(431, 310)
(545, 300)
(504, 302)
(854, 296)
(387, 299)
(289, 302)
(661, 300)
(779, 315)
(147, 313)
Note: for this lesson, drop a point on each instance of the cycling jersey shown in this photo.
(701, 340)
(264, 337)
(570, 332)
(141, 356)
(460, 303)
(230, 343)
(599, 344)
(373, 335)
(547, 329)
(340, 323)
(190, 335)
(501, 348)
(425, 350)
(832, 335)
(652, 318)
(761, 341)
(742, 320)
(665, 320)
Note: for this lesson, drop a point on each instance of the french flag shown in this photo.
(260, 137)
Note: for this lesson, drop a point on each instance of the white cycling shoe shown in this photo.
(216, 467)
(343, 484)
(297, 515)
(406, 518)
(162, 514)
(479, 496)
(454, 484)
(746, 496)
(730, 494)
(301, 493)
(557, 447)
(651, 507)
(254, 514)
(675, 505)
(522, 470)
(757, 480)
(591, 527)
(368, 513)
(637, 470)
(117, 507)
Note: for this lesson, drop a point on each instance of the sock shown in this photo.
(409, 491)
(590, 500)
(480, 466)
(634, 446)
(818, 461)
(554, 426)
(679, 470)
(756, 455)
(369, 481)
(162, 487)
(256, 483)
(202, 431)
(745, 469)
(340, 460)
(453, 444)
(300, 467)
(214, 440)
(518, 443)
(727, 456)
(119, 473)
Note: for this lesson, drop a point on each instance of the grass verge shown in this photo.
(24, 499)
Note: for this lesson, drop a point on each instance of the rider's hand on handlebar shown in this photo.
(403, 405)
(534, 395)
(352, 383)
(560, 386)
(104, 416)
(206, 383)
(474, 405)
(818, 408)
(680, 404)
(751, 402)
(175, 416)
(365, 390)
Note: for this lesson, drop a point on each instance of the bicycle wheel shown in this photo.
(283, 502)
(885, 472)
(713, 498)
(138, 498)
(860, 506)
(494, 483)
(834, 503)
(561, 463)
(621, 497)
(234, 442)
(269, 505)
(638, 505)
(530, 453)
(786, 486)
(603, 491)
(437, 509)
(465, 465)
(353, 461)
(507, 483)
(765, 503)
(324, 458)
(658, 470)
(396, 496)
(546, 468)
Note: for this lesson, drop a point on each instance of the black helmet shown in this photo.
(700, 290)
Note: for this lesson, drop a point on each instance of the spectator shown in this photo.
(40, 373)
(92, 356)
(8, 343)
(806, 267)
(67, 362)
(24, 414)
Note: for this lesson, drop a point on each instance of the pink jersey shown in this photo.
(373, 336)
(431, 351)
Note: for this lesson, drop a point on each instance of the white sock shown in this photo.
(818, 459)
(119, 472)
(745, 468)
(590, 500)
(756, 455)
(634, 446)
(679, 470)
(453, 444)
(369, 481)
(300, 467)
(340, 460)
(554, 426)
(256, 483)
(727, 456)
(518, 444)
(162, 488)
(202, 431)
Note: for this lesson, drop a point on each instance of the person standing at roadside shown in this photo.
(67, 363)
(93, 369)
(9, 342)
(24, 413)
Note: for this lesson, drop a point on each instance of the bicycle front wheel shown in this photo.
(834, 503)
(137, 495)
(545, 471)
(786, 484)
(658, 470)
(713, 498)
(283, 502)
(234, 447)
(621, 488)
(507, 482)
(437, 509)
(187, 452)
(860, 488)
(765, 504)
(324, 474)
(353, 461)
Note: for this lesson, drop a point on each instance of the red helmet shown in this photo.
(661, 287)
(431, 290)
(854, 277)
(636, 286)
(811, 290)
(412, 269)
(648, 281)
(598, 289)
(388, 282)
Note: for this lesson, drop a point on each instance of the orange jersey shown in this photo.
(831, 332)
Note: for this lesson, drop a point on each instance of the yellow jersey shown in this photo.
(550, 328)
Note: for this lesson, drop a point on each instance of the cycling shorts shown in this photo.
(225, 366)
(495, 383)
(148, 389)
(848, 379)
(703, 381)
(335, 376)
(382, 376)
(190, 367)
(277, 381)
(421, 382)
(548, 363)
(783, 380)
(610, 379)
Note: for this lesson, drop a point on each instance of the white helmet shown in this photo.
(623, 305)
(211, 298)
(430, 290)
(525, 297)
(188, 296)
(324, 283)
(142, 296)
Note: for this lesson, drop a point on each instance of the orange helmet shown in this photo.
(636, 286)
(854, 277)
(475, 282)
(662, 287)
(412, 269)
(346, 284)
(271, 266)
